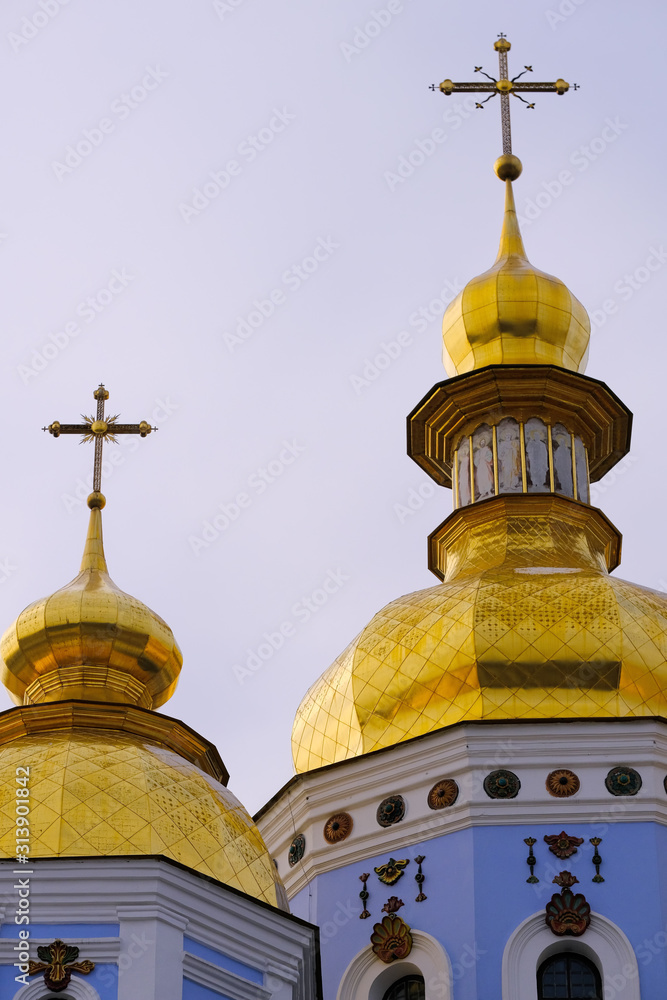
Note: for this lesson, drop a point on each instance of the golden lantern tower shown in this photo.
(501, 735)
(527, 622)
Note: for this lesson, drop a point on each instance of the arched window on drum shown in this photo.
(568, 976)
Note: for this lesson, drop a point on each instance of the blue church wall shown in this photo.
(104, 979)
(223, 961)
(193, 991)
(478, 895)
(62, 931)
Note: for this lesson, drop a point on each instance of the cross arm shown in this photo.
(143, 428)
(448, 87)
(560, 86)
(56, 428)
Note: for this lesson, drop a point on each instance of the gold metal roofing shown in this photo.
(519, 640)
(107, 776)
(100, 792)
(514, 314)
(90, 641)
(527, 623)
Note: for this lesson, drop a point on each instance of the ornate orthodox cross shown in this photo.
(505, 87)
(99, 429)
(58, 962)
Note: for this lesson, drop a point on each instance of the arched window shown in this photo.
(407, 988)
(568, 977)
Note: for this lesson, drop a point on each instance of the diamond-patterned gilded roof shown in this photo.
(506, 643)
(105, 793)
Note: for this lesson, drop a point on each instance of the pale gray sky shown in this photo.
(114, 116)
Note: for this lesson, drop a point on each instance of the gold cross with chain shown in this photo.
(99, 429)
(505, 87)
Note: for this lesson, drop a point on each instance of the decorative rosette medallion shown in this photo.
(391, 810)
(391, 939)
(443, 794)
(297, 849)
(562, 783)
(623, 781)
(502, 784)
(337, 828)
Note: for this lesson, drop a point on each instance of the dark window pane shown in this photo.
(568, 977)
(408, 988)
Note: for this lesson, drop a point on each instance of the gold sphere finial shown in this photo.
(508, 167)
(101, 392)
(97, 500)
(502, 45)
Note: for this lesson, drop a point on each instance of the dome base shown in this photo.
(107, 780)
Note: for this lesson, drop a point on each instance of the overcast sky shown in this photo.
(203, 208)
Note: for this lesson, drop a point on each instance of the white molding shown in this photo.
(367, 977)
(77, 990)
(98, 950)
(604, 944)
(100, 889)
(147, 911)
(154, 903)
(466, 753)
(206, 974)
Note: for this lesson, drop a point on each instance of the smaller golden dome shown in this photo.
(513, 313)
(115, 781)
(90, 641)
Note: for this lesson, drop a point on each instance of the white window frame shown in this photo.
(604, 944)
(77, 989)
(367, 978)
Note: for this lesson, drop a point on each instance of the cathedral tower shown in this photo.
(131, 870)
(479, 764)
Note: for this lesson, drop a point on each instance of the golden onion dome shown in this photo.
(90, 641)
(115, 780)
(513, 313)
(526, 626)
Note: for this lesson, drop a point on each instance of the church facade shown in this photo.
(480, 775)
